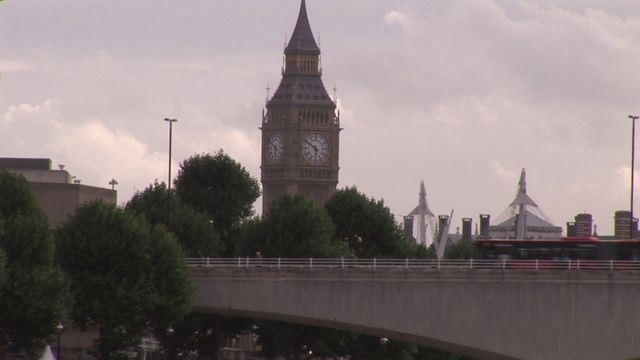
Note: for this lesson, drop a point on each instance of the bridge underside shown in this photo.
(485, 315)
(413, 339)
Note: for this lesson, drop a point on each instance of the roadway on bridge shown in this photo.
(486, 314)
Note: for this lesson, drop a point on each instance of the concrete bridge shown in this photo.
(486, 314)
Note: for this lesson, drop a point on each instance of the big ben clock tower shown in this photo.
(300, 128)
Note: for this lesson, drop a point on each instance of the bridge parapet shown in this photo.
(484, 313)
(426, 264)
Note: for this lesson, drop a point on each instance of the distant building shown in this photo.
(485, 222)
(57, 192)
(466, 229)
(571, 229)
(623, 225)
(523, 219)
(584, 225)
(425, 232)
(408, 229)
(301, 127)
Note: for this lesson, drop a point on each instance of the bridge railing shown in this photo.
(374, 264)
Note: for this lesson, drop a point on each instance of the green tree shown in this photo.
(294, 227)
(296, 342)
(219, 186)
(249, 237)
(3, 271)
(463, 249)
(201, 333)
(193, 230)
(125, 275)
(370, 230)
(33, 290)
(425, 353)
(366, 225)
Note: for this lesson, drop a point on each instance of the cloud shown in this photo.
(463, 94)
(90, 149)
(100, 153)
(395, 17)
(47, 112)
(623, 179)
(480, 89)
(502, 171)
(13, 66)
(188, 66)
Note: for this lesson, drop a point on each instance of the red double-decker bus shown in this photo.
(566, 248)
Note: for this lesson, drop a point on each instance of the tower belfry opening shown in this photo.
(300, 127)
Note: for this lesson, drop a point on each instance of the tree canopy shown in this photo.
(295, 227)
(463, 249)
(33, 290)
(366, 225)
(125, 275)
(193, 230)
(220, 187)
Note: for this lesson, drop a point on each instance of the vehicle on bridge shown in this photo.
(548, 251)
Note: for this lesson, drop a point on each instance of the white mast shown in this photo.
(441, 242)
(521, 202)
(422, 212)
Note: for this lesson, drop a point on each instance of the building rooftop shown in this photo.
(25, 163)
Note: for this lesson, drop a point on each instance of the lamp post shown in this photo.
(59, 329)
(633, 150)
(172, 348)
(170, 121)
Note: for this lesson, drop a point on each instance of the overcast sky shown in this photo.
(462, 94)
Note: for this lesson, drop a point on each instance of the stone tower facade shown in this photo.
(300, 128)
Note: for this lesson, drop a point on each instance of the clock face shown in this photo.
(315, 149)
(275, 148)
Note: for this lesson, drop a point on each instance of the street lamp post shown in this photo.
(172, 347)
(59, 328)
(633, 150)
(170, 121)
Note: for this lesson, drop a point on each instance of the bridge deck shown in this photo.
(487, 314)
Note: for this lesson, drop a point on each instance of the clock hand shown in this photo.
(313, 146)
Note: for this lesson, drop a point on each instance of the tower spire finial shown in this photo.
(302, 41)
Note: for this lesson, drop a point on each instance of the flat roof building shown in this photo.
(55, 191)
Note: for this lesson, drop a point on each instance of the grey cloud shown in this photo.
(545, 85)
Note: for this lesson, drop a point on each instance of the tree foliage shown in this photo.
(463, 249)
(203, 334)
(249, 237)
(293, 342)
(125, 275)
(220, 187)
(193, 230)
(294, 227)
(369, 230)
(366, 225)
(33, 290)
(3, 271)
